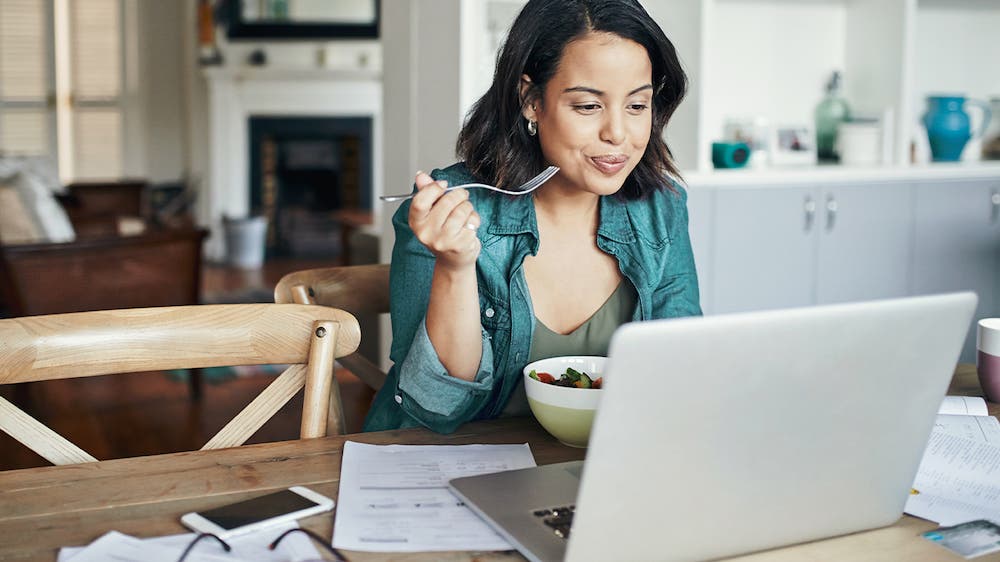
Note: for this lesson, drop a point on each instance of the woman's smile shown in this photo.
(610, 164)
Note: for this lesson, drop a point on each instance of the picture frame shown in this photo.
(252, 20)
(755, 131)
(793, 145)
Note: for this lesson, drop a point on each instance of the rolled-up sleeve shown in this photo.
(433, 397)
(424, 389)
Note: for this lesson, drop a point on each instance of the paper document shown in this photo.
(395, 498)
(119, 547)
(978, 428)
(963, 406)
(958, 481)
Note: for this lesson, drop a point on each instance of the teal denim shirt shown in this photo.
(648, 237)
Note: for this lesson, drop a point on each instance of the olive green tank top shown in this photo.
(590, 338)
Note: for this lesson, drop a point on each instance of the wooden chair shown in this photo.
(362, 290)
(306, 337)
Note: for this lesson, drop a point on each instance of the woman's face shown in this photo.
(596, 115)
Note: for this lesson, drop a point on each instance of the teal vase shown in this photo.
(949, 127)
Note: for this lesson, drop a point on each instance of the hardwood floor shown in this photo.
(150, 413)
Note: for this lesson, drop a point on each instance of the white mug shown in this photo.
(988, 357)
(859, 143)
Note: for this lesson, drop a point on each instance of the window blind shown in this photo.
(96, 69)
(25, 116)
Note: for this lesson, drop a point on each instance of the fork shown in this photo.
(524, 188)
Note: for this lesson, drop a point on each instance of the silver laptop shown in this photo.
(729, 434)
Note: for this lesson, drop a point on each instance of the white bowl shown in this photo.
(565, 412)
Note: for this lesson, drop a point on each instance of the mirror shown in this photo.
(302, 19)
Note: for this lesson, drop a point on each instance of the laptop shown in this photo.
(729, 434)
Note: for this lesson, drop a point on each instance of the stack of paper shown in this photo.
(118, 547)
(395, 498)
(959, 475)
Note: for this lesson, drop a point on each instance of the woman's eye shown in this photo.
(637, 107)
(587, 107)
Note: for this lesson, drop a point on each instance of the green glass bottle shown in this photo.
(830, 112)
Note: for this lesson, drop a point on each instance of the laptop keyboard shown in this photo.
(559, 519)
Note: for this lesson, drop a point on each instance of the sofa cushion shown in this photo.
(42, 209)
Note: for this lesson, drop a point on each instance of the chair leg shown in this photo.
(319, 382)
(194, 384)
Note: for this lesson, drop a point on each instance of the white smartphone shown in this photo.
(257, 513)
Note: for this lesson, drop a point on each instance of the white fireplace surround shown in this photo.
(236, 95)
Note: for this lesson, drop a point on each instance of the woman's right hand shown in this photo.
(445, 223)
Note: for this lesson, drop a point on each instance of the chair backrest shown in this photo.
(306, 337)
(362, 290)
(355, 288)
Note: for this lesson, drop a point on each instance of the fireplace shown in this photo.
(307, 174)
(329, 127)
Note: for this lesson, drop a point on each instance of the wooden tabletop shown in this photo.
(42, 509)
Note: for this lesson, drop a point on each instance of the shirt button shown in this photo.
(490, 312)
(517, 357)
(399, 399)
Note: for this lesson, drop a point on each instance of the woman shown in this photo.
(484, 283)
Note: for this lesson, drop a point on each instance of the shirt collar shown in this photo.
(518, 217)
(615, 224)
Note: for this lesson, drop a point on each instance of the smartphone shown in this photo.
(257, 513)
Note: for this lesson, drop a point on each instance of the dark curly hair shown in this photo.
(494, 143)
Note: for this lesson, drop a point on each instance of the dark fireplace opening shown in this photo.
(312, 178)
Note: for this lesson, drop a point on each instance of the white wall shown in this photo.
(423, 98)
(422, 85)
(160, 155)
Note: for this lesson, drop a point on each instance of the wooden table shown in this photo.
(42, 509)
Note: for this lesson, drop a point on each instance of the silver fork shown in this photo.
(526, 187)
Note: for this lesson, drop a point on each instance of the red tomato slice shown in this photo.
(546, 378)
(597, 382)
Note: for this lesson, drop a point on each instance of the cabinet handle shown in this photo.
(810, 209)
(831, 212)
(995, 207)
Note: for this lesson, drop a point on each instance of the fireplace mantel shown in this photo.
(236, 94)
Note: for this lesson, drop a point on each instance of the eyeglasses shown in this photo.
(337, 555)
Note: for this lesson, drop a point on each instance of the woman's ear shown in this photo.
(527, 99)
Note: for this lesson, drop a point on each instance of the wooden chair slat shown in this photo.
(36, 436)
(258, 411)
(153, 339)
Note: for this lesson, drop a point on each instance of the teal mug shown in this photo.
(731, 154)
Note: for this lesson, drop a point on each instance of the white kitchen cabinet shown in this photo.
(957, 243)
(763, 253)
(864, 242)
(779, 247)
(700, 219)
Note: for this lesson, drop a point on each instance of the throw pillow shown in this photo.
(41, 167)
(42, 205)
(17, 225)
